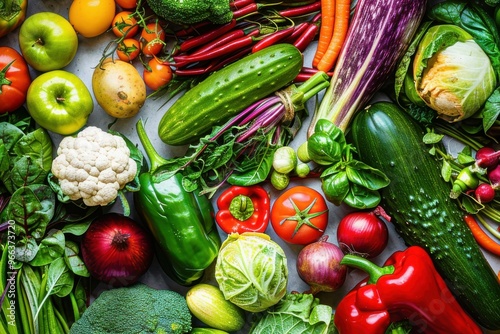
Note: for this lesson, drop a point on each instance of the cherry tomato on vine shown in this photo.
(127, 4)
(152, 39)
(128, 49)
(300, 215)
(160, 74)
(124, 23)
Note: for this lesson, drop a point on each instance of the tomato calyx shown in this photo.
(3, 75)
(303, 217)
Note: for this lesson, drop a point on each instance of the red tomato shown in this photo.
(127, 4)
(300, 215)
(128, 49)
(152, 39)
(159, 76)
(14, 79)
(124, 23)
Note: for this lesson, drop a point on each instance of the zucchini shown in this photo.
(418, 200)
(227, 92)
(207, 303)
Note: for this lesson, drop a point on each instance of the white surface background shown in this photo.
(88, 56)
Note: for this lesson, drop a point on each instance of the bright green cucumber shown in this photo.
(227, 92)
(422, 211)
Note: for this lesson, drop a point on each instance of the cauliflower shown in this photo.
(93, 166)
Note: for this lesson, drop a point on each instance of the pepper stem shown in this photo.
(241, 207)
(155, 159)
(374, 271)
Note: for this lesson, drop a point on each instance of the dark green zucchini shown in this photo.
(227, 92)
(422, 211)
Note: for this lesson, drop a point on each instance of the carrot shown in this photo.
(326, 29)
(483, 239)
(342, 14)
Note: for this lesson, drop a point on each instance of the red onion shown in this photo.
(363, 233)
(116, 249)
(318, 264)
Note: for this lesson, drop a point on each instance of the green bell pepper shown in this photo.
(182, 223)
(12, 14)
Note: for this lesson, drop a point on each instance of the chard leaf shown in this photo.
(32, 207)
(254, 175)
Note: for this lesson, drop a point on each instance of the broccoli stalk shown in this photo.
(192, 11)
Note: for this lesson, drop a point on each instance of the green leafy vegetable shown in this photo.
(297, 313)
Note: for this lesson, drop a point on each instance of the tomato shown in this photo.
(127, 4)
(300, 215)
(159, 76)
(91, 18)
(152, 39)
(14, 79)
(124, 23)
(128, 49)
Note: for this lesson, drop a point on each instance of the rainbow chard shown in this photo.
(367, 59)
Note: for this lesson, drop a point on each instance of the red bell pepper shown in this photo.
(407, 287)
(12, 14)
(14, 79)
(243, 209)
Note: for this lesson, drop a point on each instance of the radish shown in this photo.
(484, 193)
(487, 157)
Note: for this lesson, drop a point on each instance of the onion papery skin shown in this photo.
(318, 264)
(120, 262)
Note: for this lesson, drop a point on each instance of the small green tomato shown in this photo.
(302, 170)
(303, 153)
(284, 160)
(279, 180)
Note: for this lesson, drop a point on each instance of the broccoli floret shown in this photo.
(192, 11)
(135, 309)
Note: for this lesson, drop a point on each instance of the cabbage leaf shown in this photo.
(298, 313)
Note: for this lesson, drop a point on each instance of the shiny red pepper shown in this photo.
(408, 287)
(243, 209)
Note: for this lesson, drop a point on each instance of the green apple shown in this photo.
(47, 41)
(59, 101)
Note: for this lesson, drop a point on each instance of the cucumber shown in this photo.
(227, 92)
(422, 211)
(207, 303)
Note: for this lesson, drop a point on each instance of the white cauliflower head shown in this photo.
(93, 166)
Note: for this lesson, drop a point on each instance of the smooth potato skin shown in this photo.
(118, 88)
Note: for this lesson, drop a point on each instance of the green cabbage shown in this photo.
(452, 73)
(251, 271)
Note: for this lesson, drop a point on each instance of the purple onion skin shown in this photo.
(318, 264)
(378, 37)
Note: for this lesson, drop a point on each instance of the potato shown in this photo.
(118, 88)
